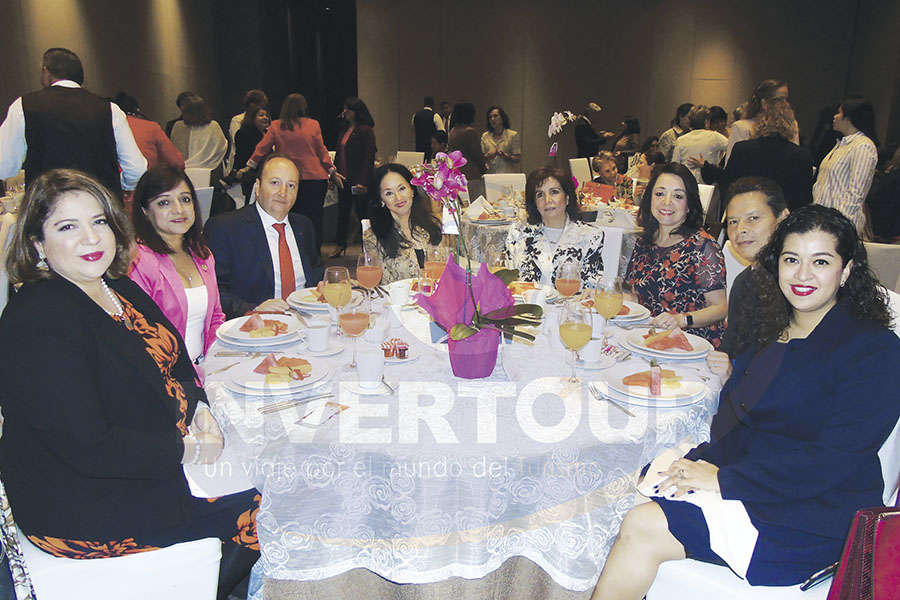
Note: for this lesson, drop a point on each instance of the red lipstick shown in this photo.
(93, 256)
(802, 290)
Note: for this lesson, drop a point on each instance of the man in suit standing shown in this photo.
(63, 125)
(264, 251)
(588, 140)
(426, 122)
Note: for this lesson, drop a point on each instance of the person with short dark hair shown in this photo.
(253, 127)
(120, 412)
(718, 120)
(355, 160)
(65, 126)
(156, 147)
(794, 445)
(438, 142)
(403, 225)
(588, 138)
(465, 138)
(265, 251)
(845, 175)
(252, 98)
(501, 146)
(172, 262)
(445, 115)
(700, 141)
(180, 100)
(425, 122)
(553, 232)
(677, 270)
(680, 125)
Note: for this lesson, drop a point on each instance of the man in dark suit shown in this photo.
(588, 140)
(426, 122)
(777, 158)
(263, 251)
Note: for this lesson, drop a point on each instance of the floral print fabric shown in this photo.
(675, 279)
(536, 257)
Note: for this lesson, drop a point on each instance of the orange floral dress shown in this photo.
(207, 515)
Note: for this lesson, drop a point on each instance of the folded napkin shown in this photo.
(731, 533)
(477, 207)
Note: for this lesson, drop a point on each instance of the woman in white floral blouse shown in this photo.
(403, 226)
(552, 233)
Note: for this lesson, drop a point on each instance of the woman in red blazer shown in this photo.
(300, 137)
(355, 158)
(173, 264)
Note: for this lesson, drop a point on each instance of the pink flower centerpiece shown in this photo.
(474, 309)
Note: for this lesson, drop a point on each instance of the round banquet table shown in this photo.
(447, 477)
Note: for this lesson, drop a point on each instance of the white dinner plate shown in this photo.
(276, 394)
(334, 347)
(604, 363)
(636, 313)
(605, 390)
(244, 376)
(305, 299)
(231, 330)
(354, 387)
(411, 355)
(635, 341)
(689, 387)
(492, 221)
(280, 343)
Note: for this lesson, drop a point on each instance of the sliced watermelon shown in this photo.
(623, 311)
(677, 339)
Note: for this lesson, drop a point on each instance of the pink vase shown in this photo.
(475, 356)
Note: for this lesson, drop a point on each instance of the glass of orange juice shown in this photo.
(568, 277)
(575, 331)
(608, 297)
(336, 286)
(435, 261)
(353, 321)
(369, 270)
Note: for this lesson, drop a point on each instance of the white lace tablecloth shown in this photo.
(449, 477)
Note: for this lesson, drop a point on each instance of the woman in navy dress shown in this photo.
(811, 400)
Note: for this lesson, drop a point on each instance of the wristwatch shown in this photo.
(689, 319)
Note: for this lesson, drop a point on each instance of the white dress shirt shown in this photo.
(845, 177)
(272, 238)
(711, 145)
(438, 121)
(13, 147)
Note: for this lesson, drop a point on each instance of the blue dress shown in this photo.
(796, 439)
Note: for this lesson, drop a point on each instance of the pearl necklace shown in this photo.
(119, 315)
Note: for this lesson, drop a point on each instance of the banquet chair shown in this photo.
(506, 186)
(204, 199)
(884, 260)
(581, 169)
(408, 159)
(199, 177)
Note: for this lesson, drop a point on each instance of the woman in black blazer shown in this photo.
(355, 160)
(101, 403)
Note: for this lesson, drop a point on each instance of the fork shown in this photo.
(593, 390)
(223, 369)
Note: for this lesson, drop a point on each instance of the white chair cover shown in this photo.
(508, 187)
(204, 199)
(706, 194)
(581, 169)
(884, 260)
(408, 159)
(7, 227)
(187, 571)
(199, 177)
(733, 267)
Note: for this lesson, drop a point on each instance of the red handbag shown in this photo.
(870, 562)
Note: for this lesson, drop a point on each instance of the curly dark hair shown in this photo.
(420, 214)
(762, 323)
(504, 118)
(535, 179)
(694, 219)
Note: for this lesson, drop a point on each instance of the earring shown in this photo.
(42, 263)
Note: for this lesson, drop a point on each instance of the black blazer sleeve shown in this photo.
(221, 235)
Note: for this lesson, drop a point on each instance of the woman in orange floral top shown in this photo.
(677, 270)
(101, 402)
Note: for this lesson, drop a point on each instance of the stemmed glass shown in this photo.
(608, 297)
(336, 288)
(568, 277)
(369, 270)
(575, 331)
(435, 261)
(353, 320)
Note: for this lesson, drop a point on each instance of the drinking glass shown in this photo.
(608, 297)
(336, 288)
(369, 270)
(353, 321)
(575, 331)
(568, 277)
(435, 261)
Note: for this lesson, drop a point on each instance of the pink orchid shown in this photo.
(554, 148)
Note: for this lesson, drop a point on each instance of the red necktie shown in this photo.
(285, 264)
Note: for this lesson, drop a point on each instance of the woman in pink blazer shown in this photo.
(173, 263)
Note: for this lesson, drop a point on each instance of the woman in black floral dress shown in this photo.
(677, 270)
